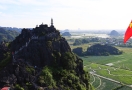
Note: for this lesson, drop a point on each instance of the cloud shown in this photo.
(2, 14)
(8, 2)
(2, 7)
(26, 2)
(85, 14)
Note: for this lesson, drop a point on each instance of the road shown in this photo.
(108, 79)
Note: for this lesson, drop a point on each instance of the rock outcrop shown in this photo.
(41, 58)
(102, 50)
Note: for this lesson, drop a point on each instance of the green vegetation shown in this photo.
(119, 71)
(106, 84)
(80, 41)
(18, 87)
(68, 61)
(66, 79)
(83, 41)
(117, 88)
(120, 75)
(105, 50)
(98, 50)
(120, 61)
(96, 83)
(47, 78)
(5, 61)
(121, 64)
(65, 76)
(29, 69)
(121, 67)
(7, 35)
(91, 87)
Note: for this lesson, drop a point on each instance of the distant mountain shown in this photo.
(114, 33)
(62, 31)
(66, 34)
(7, 35)
(12, 28)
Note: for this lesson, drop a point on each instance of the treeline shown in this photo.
(98, 50)
(85, 41)
(12, 28)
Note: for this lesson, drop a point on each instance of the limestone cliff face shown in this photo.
(34, 50)
(39, 45)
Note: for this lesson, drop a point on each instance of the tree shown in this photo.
(46, 77)
(68, 61)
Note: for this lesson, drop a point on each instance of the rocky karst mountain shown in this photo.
(103, 50)
(114, 33)
(66, 34)
(41, 59)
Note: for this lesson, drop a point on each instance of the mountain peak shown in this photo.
(41, 58)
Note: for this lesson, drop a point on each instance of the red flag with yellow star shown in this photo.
(128, 32)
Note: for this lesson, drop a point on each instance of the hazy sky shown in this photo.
(67, 14)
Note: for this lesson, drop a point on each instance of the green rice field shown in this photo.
(116, 67)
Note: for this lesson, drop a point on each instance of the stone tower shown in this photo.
(51, 22)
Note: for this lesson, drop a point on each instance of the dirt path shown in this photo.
(99, 83)
(110, 79)
(109, 72)
(93, 79)
(116, 75)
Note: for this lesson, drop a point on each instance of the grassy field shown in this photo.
(121, 69)
(84, 46)
(105, 84)
(121, 75)
(123, 61)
